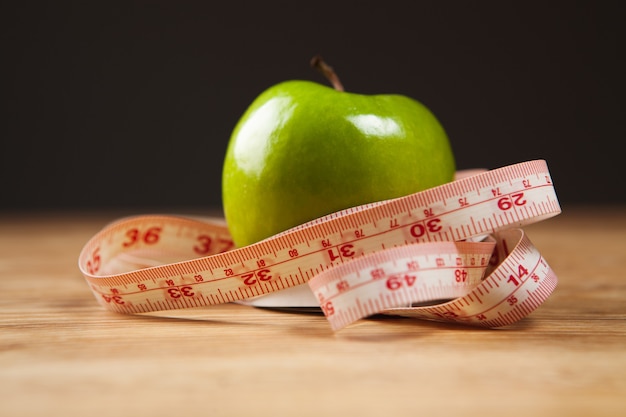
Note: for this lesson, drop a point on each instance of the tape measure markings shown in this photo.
(492, 309)
(404, 275)
(521, 193)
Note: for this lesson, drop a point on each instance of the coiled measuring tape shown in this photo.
(455, 252)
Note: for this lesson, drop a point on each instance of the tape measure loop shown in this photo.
(380, 257)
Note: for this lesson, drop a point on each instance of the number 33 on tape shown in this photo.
(450, 253)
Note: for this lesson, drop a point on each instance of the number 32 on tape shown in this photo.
(451, 253)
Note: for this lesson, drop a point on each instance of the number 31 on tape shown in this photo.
(451, 253)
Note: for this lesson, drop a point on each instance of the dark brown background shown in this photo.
(130, 105)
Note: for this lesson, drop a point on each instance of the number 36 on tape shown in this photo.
(451, 253)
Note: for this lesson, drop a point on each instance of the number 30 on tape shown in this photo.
(451, 253)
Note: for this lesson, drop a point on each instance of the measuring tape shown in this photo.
(451, 253)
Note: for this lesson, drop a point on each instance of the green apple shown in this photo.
(303, 150)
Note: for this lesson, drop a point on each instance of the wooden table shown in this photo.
(62, 354)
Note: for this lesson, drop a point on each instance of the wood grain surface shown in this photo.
(61, 354)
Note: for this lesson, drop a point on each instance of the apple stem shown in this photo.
(319, 64)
